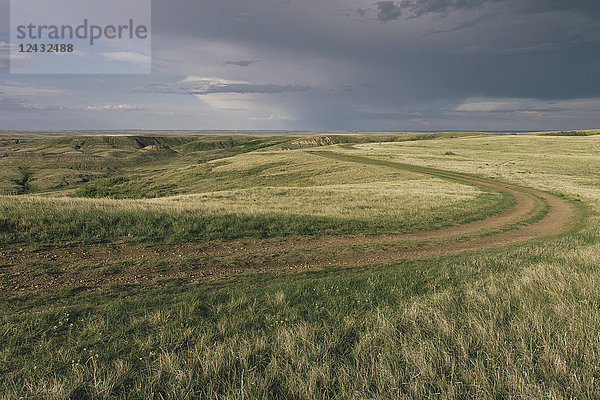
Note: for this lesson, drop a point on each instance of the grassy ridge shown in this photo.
(243, 192)
(37, 220)
(139, 166)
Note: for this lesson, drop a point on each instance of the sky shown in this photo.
(408, 65)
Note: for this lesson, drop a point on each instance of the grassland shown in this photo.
(518, 321)
(162, 194)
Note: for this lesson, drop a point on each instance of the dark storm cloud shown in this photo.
(377, 65)
(392, 10)
(464, 25)
(541, 49)
(580, 6)
(388, 11)
(241, 63)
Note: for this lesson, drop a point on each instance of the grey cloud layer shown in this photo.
(334, 64)
(11, 105)
(205, 87)
(388, 11)
(400, 58)
(241, 63)
(392, 10)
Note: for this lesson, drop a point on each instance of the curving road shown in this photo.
(536, 214)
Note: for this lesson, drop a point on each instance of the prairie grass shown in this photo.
(559, 163)
(139, 166)
(259, 212)
(517, 322)
(249, 194)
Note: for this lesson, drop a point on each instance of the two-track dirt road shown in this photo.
(536, 214)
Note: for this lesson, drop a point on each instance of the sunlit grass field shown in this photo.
(521, 321)
(564, 163)
(261, 194)
(371, 208)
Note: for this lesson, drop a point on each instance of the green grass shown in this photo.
(572, 133)
(514, 322)
(517, 322)
(68, 220)
(158, 166)
(253, 189)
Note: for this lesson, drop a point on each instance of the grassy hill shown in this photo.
(213, 187)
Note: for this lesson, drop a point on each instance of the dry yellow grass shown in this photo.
(552, 163)
(375, 199)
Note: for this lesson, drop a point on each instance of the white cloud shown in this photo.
(201, 86)
(227, 101)
(211, 81)
(127, 56)
(272, 117)
(114, 107)
(530, 107)
(488, 106)
(8, 104)
(18, 89)
(17, 60)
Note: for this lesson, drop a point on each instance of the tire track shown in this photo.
(550, 214)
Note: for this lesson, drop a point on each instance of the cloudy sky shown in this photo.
(335, 65)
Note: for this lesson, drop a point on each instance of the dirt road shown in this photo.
(536, 214)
